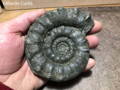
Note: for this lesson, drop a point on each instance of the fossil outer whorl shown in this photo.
(56, 47)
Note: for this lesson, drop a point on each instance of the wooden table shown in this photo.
(106, 74)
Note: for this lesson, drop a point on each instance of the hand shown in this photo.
(14, 70)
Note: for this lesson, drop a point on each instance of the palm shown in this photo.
(23, 79)
(14, 70)
(11, 51)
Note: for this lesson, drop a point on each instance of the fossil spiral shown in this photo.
(56, 47)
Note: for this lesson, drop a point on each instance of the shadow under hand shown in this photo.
(68, 84)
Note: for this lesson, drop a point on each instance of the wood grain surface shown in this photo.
(106, 74)
(25, 4)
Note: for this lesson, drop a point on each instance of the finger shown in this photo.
(21, 23)
(97, 27)
(93, 41)
(91, 64)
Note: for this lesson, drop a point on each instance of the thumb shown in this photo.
(22, 22)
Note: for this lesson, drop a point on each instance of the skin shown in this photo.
(14, 70)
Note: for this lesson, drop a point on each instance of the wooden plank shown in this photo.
(27, 4)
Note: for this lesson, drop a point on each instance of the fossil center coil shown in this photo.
(56, 47)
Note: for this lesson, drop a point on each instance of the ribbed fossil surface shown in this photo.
(56, 47)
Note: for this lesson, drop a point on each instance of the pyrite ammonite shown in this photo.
(56, 47)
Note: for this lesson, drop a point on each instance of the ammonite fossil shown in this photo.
(56, 47)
